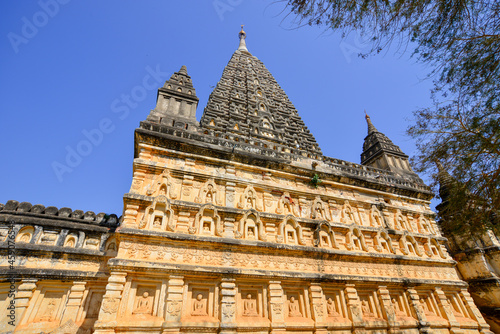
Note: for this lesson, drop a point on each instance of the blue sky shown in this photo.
(66, 63)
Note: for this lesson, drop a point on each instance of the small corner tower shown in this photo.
(380, 152)
(176, 102)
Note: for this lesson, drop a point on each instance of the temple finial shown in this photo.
(371, 127)
(242, 34)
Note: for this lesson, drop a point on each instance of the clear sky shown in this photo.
(67, 65)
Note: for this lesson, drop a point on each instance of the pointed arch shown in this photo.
(383, 243)
(348, 214)
(324, 236)
(162, 186)
(159, 215)
(409, 245)
(207, 221)
(290, 231)
(250, 227)
(286, 205)
(401, 222)
(355, 240)
(376, 219)
(432, 248)
(319, 210)
(209, 193)
(249, 200)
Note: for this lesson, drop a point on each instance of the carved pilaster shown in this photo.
(187, 186)
(388, 308)
(173, 310)
(414, 301)
(446, 310)
(354, 308)
(318, 307)
(183, 221)
(229, 227)
(474, 312)
(228, 305)
(130, 215)
(22, 297)
(276, 307)
(230, 193)
(74, 303)
(110, 303)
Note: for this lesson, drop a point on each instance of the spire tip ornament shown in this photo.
(242, 35)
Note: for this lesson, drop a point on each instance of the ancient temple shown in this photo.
(238, 224)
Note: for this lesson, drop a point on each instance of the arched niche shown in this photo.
(207, 222)
(70, 240)
(355, 240)
(286, 205)
(324, 236)
(248, 200)
(424, 226)
(158, 216)
(348, 214)
(111, 247)
(383, 243)
(209, 193)
(400, 221)
(433, 249)
(250, 227)
(319, 210)
(376, 219)
(162, 186)
(290, 232)
(409, 246)
(25, 234)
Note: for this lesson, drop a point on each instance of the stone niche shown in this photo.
(252, 306)
(201, 304)
(297, 307)
(143, 300)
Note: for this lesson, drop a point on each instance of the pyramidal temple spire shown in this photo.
(380, 152)
(243, 35)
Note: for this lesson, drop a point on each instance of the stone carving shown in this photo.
(248, 199)
(409, 246)
(294, 308)
(397, 309)
(158, 215)
(48, 310)
(383, 243)
(400, 221)
(207, 221)
(367, 312)
(209, 194)
(331, 308)
(199, 306)
(250, 227)
(424, 304)
(143, 304)
(286, 205)
(376, 219)
(290, 232)
(110, 305)
(174, 308)
(319, 210)
(277, 308)
(25, 234)
(348, 214)
(250, 306)
(355, 240)
(324, 236)
(94, 305)
(162, 186)
(228, 310)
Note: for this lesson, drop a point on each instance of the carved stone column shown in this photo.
(130, 215)
(390, 312)
(187, 186)
(22, 298)
(229, 227)
(318, 307)
(110, 303)
(474, 312)
(354, 309)
(277, 311)
(173, 310)
(446, 310)
(414, 301)
(228, 305)
(74, 302)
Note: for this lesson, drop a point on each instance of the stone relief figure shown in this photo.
(250, 306)
(249, 200)
(348, 215)
(331, 309)
(207, 221)
(199, 306)
(290, 231)
(397, 309)
(208, 193)
(376, 219)
(286, 205)
(365, 307)
(48, 312)
(143, 304)
(425, 306)
(319, 210)
(251, 227)
(160, 208)
(293, 308)
(162, 185)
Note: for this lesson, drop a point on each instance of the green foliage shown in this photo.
(461, 42)
(315, 181)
